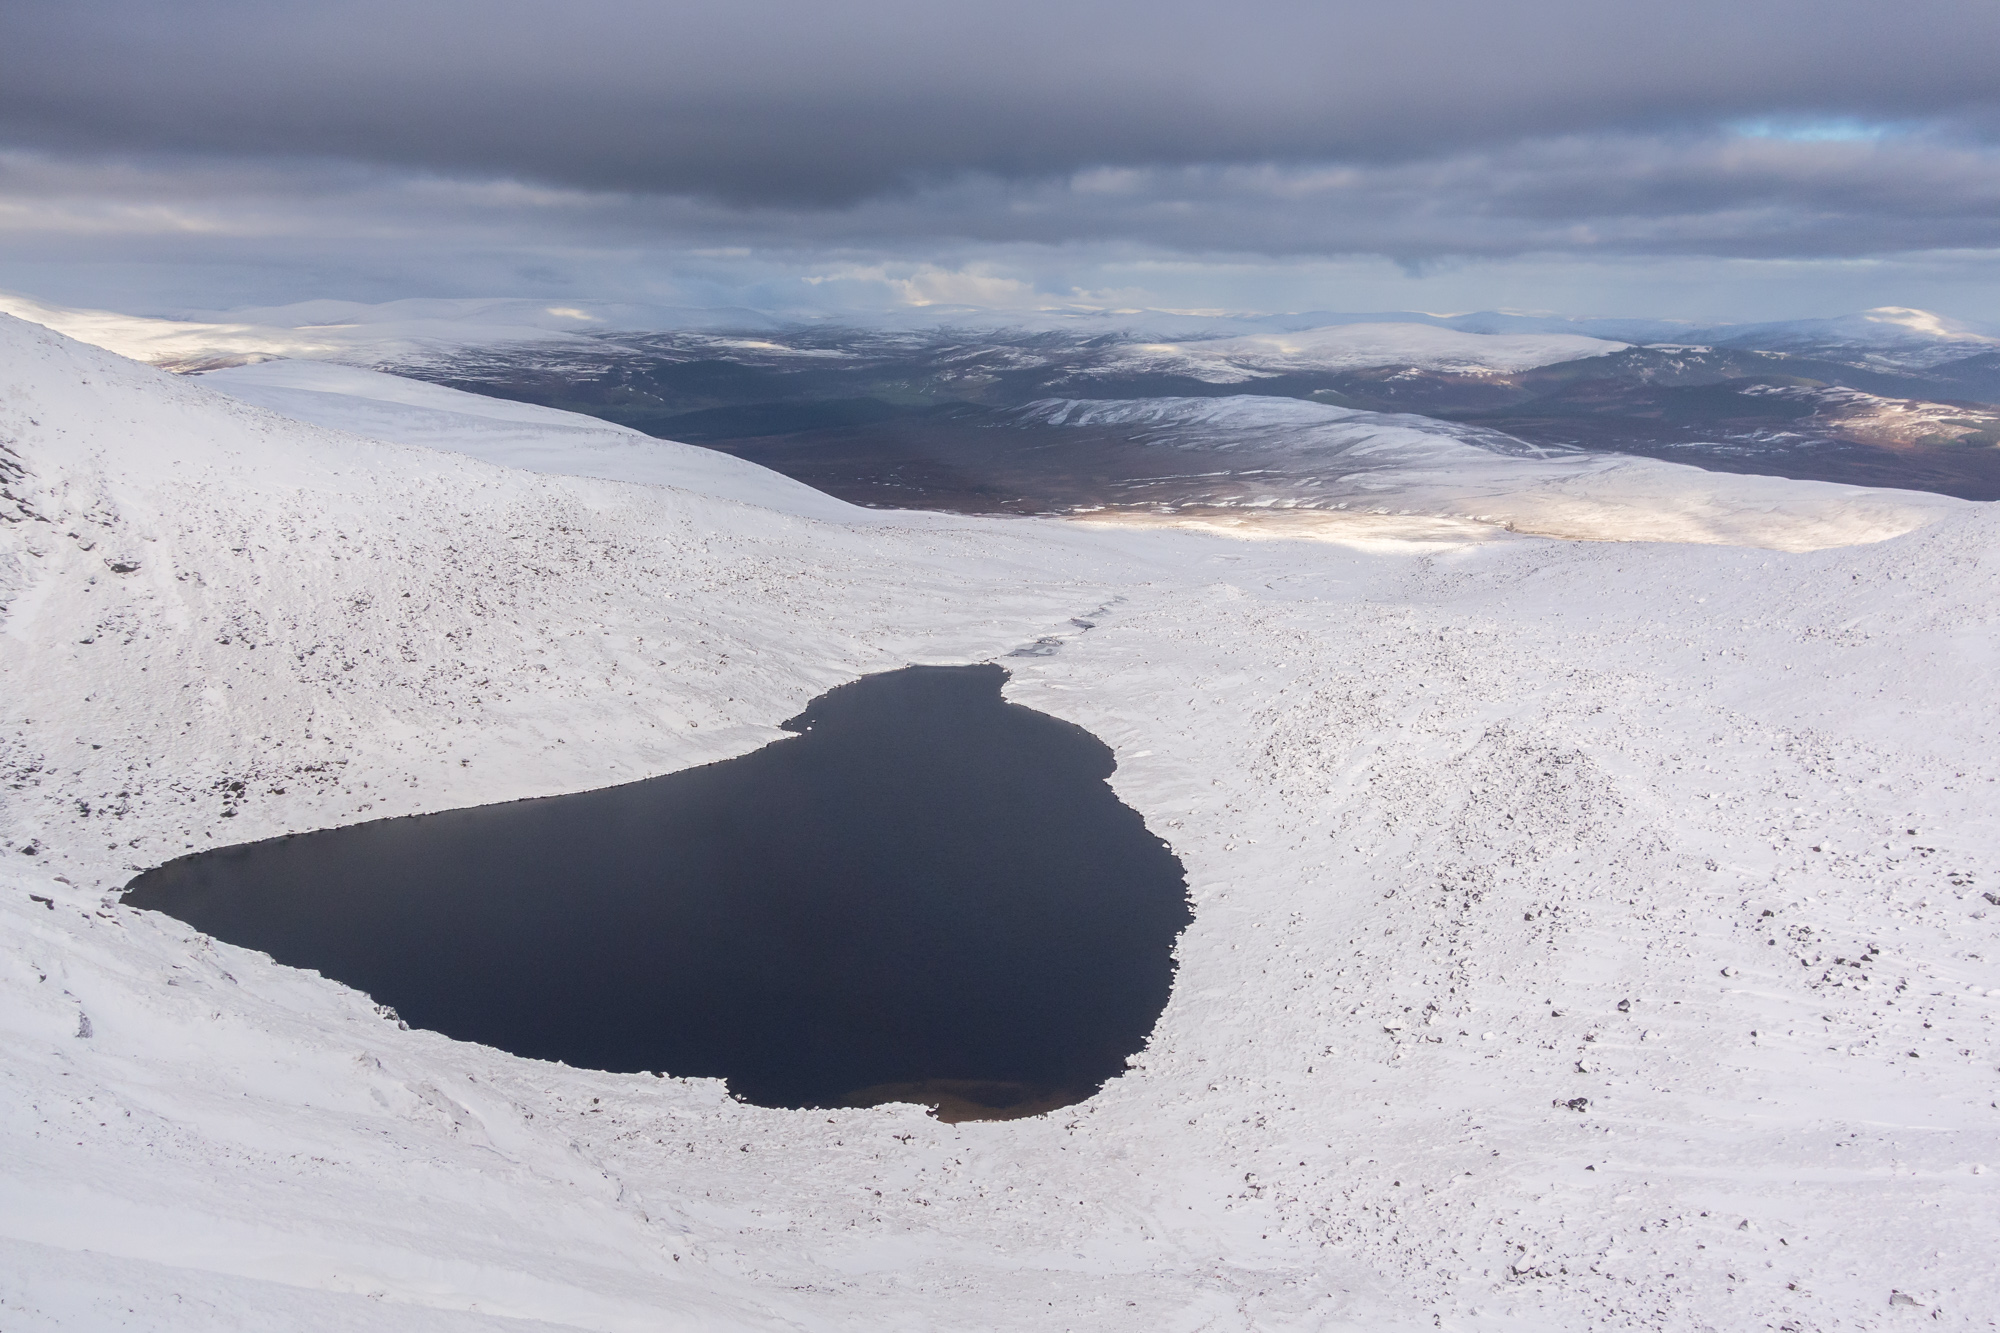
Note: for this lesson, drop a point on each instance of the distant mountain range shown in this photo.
(1891, 335)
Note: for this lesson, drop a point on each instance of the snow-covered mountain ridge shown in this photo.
(1318, 462)
(419, 332)
(382, 331)
(1893, 335)
(1353, 347)
(1481, 1025)
(184, 345)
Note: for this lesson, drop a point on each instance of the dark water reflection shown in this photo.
(930, 894)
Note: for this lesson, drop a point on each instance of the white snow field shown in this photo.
(1695, 839)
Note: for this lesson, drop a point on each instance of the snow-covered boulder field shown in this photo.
(1586, 935)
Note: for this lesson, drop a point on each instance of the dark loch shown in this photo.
(929, 894)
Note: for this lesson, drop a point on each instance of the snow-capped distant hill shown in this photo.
(1890, 336)
(379, 332)
(1253, 453)
(191, 345)
(501, 312)
(1586, 934)
(1353, 347)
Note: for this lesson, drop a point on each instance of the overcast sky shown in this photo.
(1703, 159)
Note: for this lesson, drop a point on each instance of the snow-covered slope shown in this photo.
(519, 435)
(1310, 465)
(1355, 347)
(1587, 935)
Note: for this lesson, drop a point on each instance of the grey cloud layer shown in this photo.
(815, 104)
(759, 145)
(1609, 195)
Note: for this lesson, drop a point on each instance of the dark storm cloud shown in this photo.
(1606, 194)
(1603, 194)
(814, 104)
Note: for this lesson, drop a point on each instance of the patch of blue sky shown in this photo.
(1818, 129)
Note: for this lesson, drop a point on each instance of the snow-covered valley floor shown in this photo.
(1587, 935)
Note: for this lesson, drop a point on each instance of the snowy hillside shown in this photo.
(517, 435)
(1587, 935)
(1290, 457)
